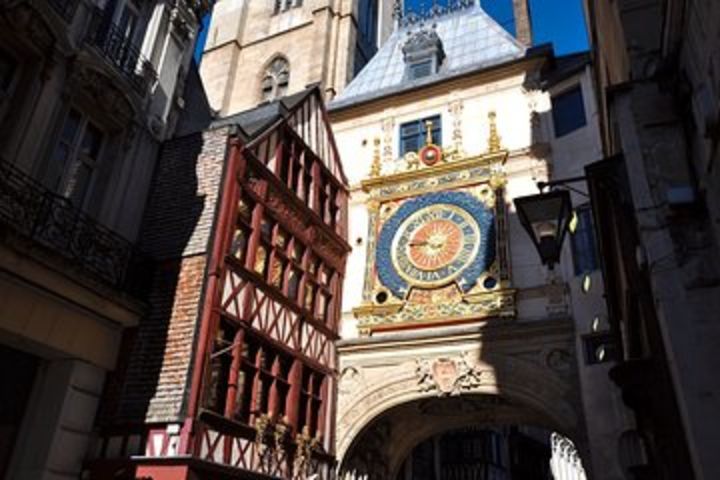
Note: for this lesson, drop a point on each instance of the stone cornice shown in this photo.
(482, 331)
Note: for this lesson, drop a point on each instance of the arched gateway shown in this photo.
(396, 393)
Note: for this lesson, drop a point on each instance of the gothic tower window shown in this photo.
(275, 82)
(366, 45)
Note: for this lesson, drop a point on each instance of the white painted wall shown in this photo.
(513, 107)
(566, 157)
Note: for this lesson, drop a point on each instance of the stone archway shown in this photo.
(396, 393)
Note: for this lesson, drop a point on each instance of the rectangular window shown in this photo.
(75, 157)
(218, 371)
(419, 69)
(265, 379)
(413, 134)
(584, 247)
(160, 37)
(128, 22)
(310, 400)
(282, 5)
(568, 111)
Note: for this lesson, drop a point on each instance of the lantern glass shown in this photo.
(545, 217)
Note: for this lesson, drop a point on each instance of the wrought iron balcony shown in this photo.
(65, 8)
(32, 211)
(118, 50)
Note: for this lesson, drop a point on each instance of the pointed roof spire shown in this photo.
(397, 12)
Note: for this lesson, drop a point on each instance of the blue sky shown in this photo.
(560, 22)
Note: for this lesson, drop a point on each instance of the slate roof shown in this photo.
(254, 121)
(563, 67)
(471, 39)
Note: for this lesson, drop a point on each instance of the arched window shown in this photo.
(275, 82)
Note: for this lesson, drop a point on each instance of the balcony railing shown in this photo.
(118, 50)
(31, 210)
(65, 8)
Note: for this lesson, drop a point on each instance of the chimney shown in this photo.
(523, 31)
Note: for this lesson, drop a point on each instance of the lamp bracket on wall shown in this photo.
(563, 182)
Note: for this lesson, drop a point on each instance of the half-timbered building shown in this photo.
(231, 373)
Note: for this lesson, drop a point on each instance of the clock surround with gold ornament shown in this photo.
(479, 288)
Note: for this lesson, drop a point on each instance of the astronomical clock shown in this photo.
(437, 248)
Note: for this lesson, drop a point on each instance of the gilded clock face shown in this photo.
(435, 244)
(433, 240)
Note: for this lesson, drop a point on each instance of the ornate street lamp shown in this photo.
(545, 217)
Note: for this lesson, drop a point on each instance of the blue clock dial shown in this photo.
(433, 240)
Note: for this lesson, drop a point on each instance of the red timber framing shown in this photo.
(269, 357)
(263, 380)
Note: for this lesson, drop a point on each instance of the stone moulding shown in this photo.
(450, 376)
(498, 304)
(528, 384)
(446, 174)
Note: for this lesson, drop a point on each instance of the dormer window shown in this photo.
(423, 54)
(420, 69)
(275, 82)
(283, 5)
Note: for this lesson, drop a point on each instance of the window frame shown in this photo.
(286, 264)
(275, 81)
(281, 6)
(420, 134)
(266, 376)
(412, 69)
(59, 177)
(583, 242)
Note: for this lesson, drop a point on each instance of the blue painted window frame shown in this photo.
(412, 134)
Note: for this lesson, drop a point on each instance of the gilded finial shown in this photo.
(428, 132)
(494, 138)
(375, 167)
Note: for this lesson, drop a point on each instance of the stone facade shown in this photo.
(317, 38)
(657, 75)
(88, 93)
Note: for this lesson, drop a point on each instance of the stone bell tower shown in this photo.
(262, 49)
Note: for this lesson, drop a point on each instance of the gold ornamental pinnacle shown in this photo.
(375, 167)
(494, 138)
(428, 132)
